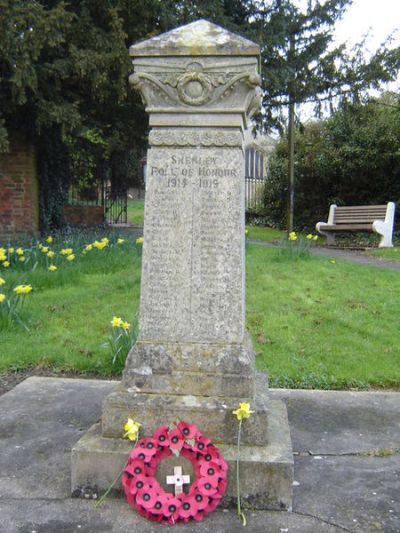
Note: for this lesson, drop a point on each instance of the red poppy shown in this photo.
(212, 505)
(160, 501)
(161, 436)
(146, 497)
(148, 447)
(171, 509)
(138, 454)
(222, 484)
(207, 486)
(138, 483)
(200, 499)
(222, 464)
(211, 454)
(136, 468)
(142, 511)
(189, 431)
(201, 444)
(210, 470)
(189, 507)
(175, 439)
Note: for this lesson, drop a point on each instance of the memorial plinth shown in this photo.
(193, 360)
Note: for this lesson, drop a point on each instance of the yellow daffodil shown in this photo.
(19, 251)
(246, 231)
(116, 322)
(2, 298)
(100, 244)
(139, 240)
(45, 249)
(49, 239)
(70, 257)
(126, 326)
(315, 238)
(11, 250)
(292, 236)
(67, 251)
(332, 261)
(89, 247)
(52, 268)
(2, 251)
(3, 257)
(104, 239)
(243, 411)
(23, 289)
(309, 236)
(2, 281)
(6, 264)
(131, 429)
(22, 259)
(51, 254)
(120, 241)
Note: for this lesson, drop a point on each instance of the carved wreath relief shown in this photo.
(195, 84)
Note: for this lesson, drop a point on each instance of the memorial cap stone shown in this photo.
(199, 38)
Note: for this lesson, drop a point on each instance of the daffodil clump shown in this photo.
(53, 257)
(296, 246)
(120, 341)
(12, 302)
(51, 254)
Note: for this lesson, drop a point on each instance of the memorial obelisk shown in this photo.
(193, 360)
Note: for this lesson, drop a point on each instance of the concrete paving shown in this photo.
(347, 464)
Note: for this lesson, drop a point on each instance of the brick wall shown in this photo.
(19, 190)
(83, 215)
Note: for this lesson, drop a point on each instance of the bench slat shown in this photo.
(348, 227)
(360, 207)
(367, 220)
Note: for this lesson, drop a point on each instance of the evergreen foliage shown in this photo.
(351, 158)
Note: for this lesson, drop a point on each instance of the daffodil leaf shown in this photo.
(176, 451)
(190, 442)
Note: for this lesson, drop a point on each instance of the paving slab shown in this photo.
(342, 422)
(341, 482)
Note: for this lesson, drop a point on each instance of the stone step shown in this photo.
(266, 472)
(211, 413)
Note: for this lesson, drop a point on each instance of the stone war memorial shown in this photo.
(194, 360)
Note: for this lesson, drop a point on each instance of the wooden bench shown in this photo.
(372, 218)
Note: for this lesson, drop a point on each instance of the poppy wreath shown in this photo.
(145, 494)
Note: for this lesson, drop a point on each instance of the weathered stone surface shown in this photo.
(192, 275)
(266, 472)
(197, 38)
(205, 369)
(212, 415)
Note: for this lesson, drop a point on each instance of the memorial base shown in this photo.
(266, 472)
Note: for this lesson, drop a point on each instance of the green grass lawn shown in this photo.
(135, 213)
(391, 254)
(323, 324)
(315, 323)
(261, 233)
